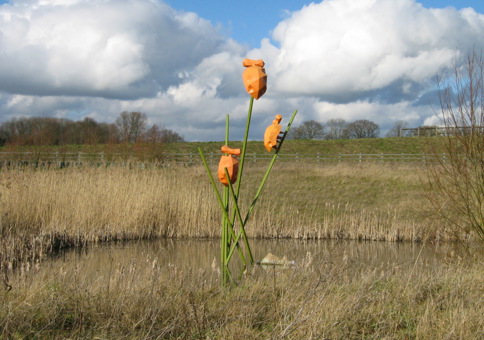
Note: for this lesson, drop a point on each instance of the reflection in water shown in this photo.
(202, 255)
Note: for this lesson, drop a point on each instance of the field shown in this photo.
(44, 210)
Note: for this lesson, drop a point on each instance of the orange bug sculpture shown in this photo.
(272, 134)
(230, 162)
(254, 77)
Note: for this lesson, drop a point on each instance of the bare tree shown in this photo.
(32, 131)
(156, 135)
(152, 135)
(310, 129)
(396, 130)
(131, 126)
(457, 180)
(336, 129)
(170, 136)
(363, 129)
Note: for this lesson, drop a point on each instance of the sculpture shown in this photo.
(230, 162)
(271, 136)
(254, 77)
(233, 236)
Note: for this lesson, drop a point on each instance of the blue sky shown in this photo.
(239, 17)
(179, 61)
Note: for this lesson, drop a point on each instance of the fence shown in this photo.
(433, 131)
(192, 158)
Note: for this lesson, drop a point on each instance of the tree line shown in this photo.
(341, 129)
(336, 129)
(129, 127)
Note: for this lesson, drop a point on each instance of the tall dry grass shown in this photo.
(324, 300)
(43, 210)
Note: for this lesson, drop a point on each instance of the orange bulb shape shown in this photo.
(271, 134)
(231, 163)
(254, 77)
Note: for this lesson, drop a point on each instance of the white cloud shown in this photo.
(111, 48)
(380, 113)
(345, 49)
(365, 59)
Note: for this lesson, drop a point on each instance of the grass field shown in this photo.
(400, 145)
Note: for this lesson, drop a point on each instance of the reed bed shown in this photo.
(319, 299)
(45, 210)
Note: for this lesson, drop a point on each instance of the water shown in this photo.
(202, 255)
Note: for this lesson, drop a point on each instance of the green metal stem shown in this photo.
(224, 246)
(219, 199)
(242, 225)
(268, 171)
(244, 146)
(264, 179)
(242, 157)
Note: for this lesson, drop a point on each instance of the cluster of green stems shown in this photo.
(230, 236)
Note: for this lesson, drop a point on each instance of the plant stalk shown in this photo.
(221, 204)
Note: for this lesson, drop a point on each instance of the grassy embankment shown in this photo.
(400, 145)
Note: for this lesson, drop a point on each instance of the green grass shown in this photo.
(324, 147)
(397, 145)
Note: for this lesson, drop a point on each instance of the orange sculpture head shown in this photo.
(272, 133)
(254, 77)
(231, 163)
(226, 149)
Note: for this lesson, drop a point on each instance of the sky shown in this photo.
(180, 61)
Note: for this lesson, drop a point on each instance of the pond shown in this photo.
(194, 256)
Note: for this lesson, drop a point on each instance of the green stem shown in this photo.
(242, 160)
(268, 171)
(219, 199)
(244, 146)
(264, 179)
(224, 239)
(242, 225)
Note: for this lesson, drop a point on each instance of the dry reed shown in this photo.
(44, 210)
(323, 300)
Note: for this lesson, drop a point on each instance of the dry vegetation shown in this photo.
(149, 300)
(44, 210)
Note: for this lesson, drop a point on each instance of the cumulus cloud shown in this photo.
(111, 48)
(365, 59)
(344, 50)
